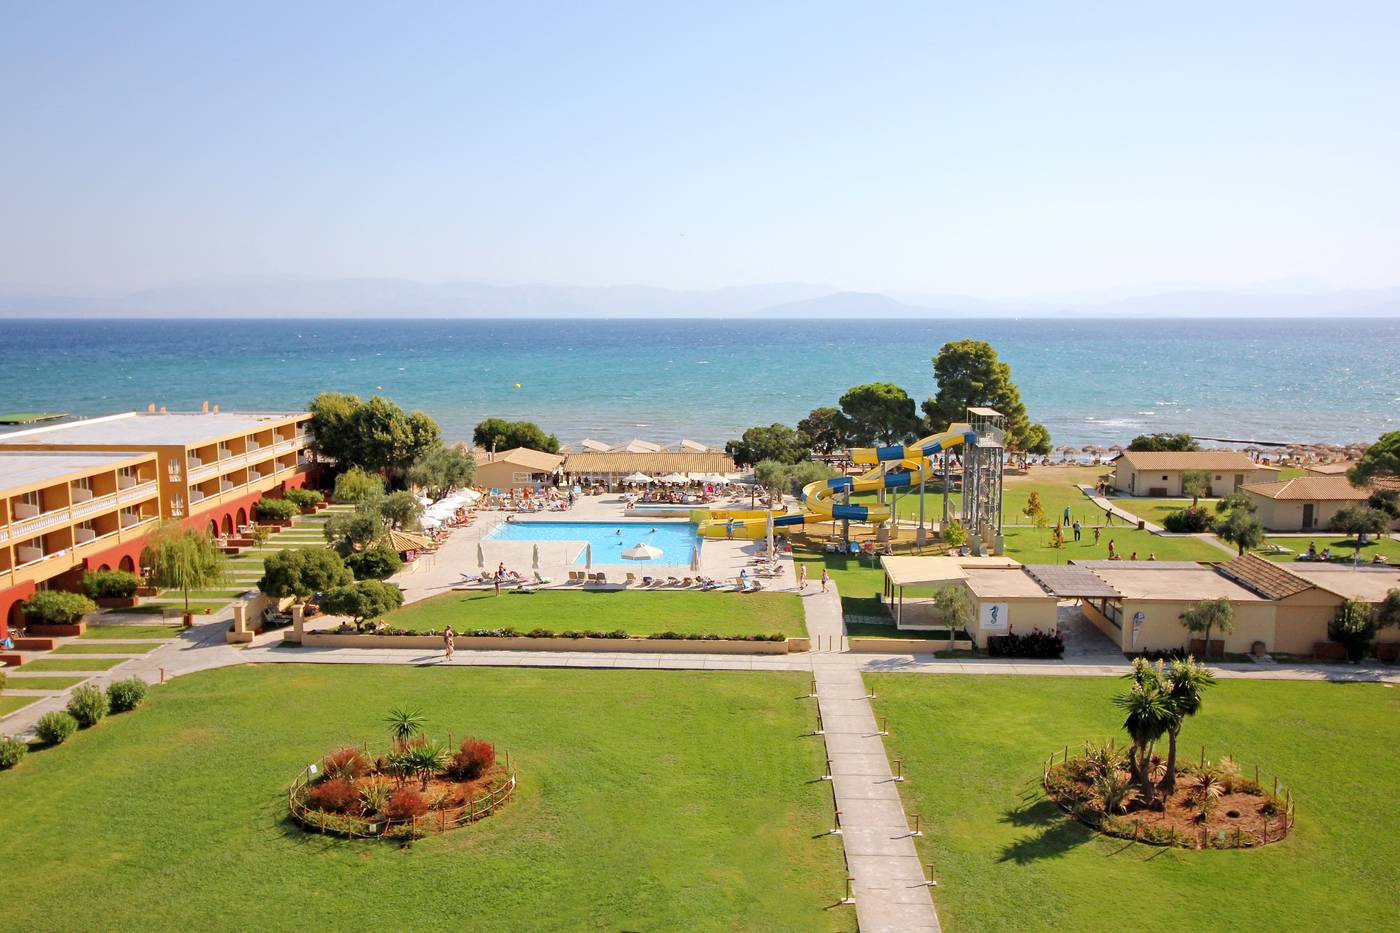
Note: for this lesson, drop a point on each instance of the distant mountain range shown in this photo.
(292, 296)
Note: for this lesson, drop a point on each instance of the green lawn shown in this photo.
(1008, 859)
(76, 648)
(649, 800)
(1157, 510)
(1340, 545)
(71, 664)
(120, 630)
(1031, 546)
(9, 703)
(173, 606)
(638, 613)
(42, 683)
(1057, 488)
(878, 630)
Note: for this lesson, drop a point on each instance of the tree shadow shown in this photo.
(1057, 836)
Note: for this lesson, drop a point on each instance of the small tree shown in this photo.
(1355, 627)
(799, 475)
(349, 531)
(302, 572)
(955, 535)
(1385, 500)
(1057, 536)
(57, 607)
(1149, 714)
(363, 601)
(441, 469)
(1388, 612)
(355, 486)
(405, 725)
(1241, 528)
(771, 474)
(401, 510)
(374, 563)
(1034, 510)
(1208, 615)
(1186, 683)
(1195, 483)
(954, 608)
(1358, 520)
(183, 559)
(1235, 500)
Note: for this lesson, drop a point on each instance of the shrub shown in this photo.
(406, 803)
(336, 795)
(2, 680)
(55, 728)
(345, 763)
(473, 760)
(276, 510)
(376, 563)
(374, 797)
(1036, 644)
(303, 571)
(303, 498)
(111, 584)
(126, 695)
(56, 607)
(1355, 627)
(87, 705)
(12, 751)
(355, 485)
(362, 601)
(1190, 520)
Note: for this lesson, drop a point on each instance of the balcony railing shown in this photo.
(27, 528)
(94, 505)
(139, 492)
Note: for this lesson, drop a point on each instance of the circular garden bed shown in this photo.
(1213, 805)
(417, 787)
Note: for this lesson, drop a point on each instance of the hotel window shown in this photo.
(174, 465)
(177, 504)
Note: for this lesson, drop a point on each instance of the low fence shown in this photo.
(361, 827)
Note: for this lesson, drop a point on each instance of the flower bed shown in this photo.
(1214, 806)
(415, 788)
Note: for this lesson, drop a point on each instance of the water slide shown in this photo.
(894, 467)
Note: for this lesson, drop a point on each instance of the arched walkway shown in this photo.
(228, 523)
(127, 564)
(242, 516)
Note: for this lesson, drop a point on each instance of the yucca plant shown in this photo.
(404, 725)
(1114, 791)
(425, 760)
(1103, 758)
(375, 796)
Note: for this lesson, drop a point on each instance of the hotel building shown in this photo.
(79, 496)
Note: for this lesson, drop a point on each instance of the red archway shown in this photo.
(127, 564)
(213, 528)
(103, 569)
(242, 517)
(228, 523)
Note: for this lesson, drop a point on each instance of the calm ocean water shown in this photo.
(1089, 381)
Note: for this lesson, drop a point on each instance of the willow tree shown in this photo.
(183, 558)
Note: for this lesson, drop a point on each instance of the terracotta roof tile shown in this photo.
(1309, 487)
(1264, 577)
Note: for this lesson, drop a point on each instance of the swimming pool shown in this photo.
(609, 540)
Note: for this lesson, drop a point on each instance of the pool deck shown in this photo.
(438, 573)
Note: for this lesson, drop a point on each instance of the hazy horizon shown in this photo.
(935, 155)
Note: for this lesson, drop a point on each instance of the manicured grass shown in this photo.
(1008, 859)
(71, 664)
(649, 800)
(876, 630)
(42, 683)
(1157, 510)
(1057, 488)
(119, 630)
(1340, 545)
(9, 703)
(75, 648)
(172, 606)
(637, 613)
(1031, 546)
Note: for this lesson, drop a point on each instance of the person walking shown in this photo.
(1111, 550)
(1108, 516)
(449, 641)
(1077, 529)
(1067, 518)
(1096, 536)
(825, 578)
(801, 578)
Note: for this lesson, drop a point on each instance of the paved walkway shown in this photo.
(1107, 505)
(889, 886)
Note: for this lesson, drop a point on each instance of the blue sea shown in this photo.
(1089, 381)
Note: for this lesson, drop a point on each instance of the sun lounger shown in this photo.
(631, 579)
(543, 581)
(603, 578)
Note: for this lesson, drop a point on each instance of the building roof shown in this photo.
(652, 464)
(1264, 577)
(1190, 460)
(1071, 581)
(589, 443)
(1003, 583)
(1368, 584)
(1330, 469)
(150, 429)
(1172, 581)
(24, 468)
(686, 444)
(537, 461)
(404, 541)
(1312, 488)
(638, 446)
(910, 571)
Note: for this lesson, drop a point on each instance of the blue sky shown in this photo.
(988, 149)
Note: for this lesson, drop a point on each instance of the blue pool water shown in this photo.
(675, 539)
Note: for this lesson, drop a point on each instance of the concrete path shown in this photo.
(889, 886)
(1131, 520)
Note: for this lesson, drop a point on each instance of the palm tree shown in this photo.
(1206, 615)
(1150, 712)
(425, 760)
(1186, 680)
(404, 725)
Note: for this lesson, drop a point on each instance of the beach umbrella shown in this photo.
(694, 559)
(675, 478)
(642, 552)
(480, 557)
(588, 556)
(636, 478)
(715, 479)
(772, 557)
(535, 563)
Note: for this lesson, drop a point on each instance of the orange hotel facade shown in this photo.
(84, 495)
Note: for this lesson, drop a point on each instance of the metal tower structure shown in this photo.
(984, 458)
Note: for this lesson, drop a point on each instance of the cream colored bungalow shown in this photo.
(1159, 473)
(1002, 595)
(518, 468)
(1304, 503)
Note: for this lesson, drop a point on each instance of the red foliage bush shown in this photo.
(334, 796)
(347, 763)
(406, 803)
(475, 759)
